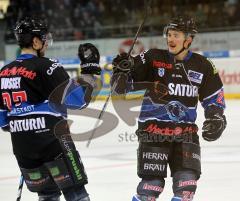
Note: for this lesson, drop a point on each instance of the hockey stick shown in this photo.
(20, 187)
(148, 5)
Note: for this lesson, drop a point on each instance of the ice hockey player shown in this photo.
(47, 157)
(167, 132)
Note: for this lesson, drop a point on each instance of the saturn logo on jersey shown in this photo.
(27, 124)
(182, 90)
(161, 72)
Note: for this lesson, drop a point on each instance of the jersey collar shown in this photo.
(189, 54)
(25, 56)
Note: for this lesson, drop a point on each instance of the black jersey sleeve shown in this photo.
(142, 69)
(211, 92)
(141, 76)
(62, 90)
(142, 72)
(122, 83)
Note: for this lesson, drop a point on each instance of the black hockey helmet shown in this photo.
(28, 28)
(182, 23)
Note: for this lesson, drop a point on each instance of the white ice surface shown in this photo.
(111, 163)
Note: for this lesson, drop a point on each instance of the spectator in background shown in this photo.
(231, 12)
(201, 15)
(91, 16)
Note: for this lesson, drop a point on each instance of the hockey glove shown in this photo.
(214, 124)
(89, 56)
(122, 63)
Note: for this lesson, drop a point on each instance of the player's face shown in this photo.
(175, 41)
(45, 42)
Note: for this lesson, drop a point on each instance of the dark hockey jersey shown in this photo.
(26, 85)
(171, 101)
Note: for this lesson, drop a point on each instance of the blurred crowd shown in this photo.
(84, 19)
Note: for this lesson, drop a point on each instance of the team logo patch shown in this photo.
(195, 76)
(176, 110)
(161, 72)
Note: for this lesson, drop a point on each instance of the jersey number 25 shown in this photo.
(17, 97)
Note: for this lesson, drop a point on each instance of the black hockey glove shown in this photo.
(89, 56)
(214, 124)
(122, 63)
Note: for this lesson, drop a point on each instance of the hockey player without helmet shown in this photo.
(181, 23)
(28, 28)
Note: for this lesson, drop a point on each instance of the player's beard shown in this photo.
(41, 52)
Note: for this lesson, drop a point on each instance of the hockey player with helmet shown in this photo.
(35, 94)
(179, 79)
